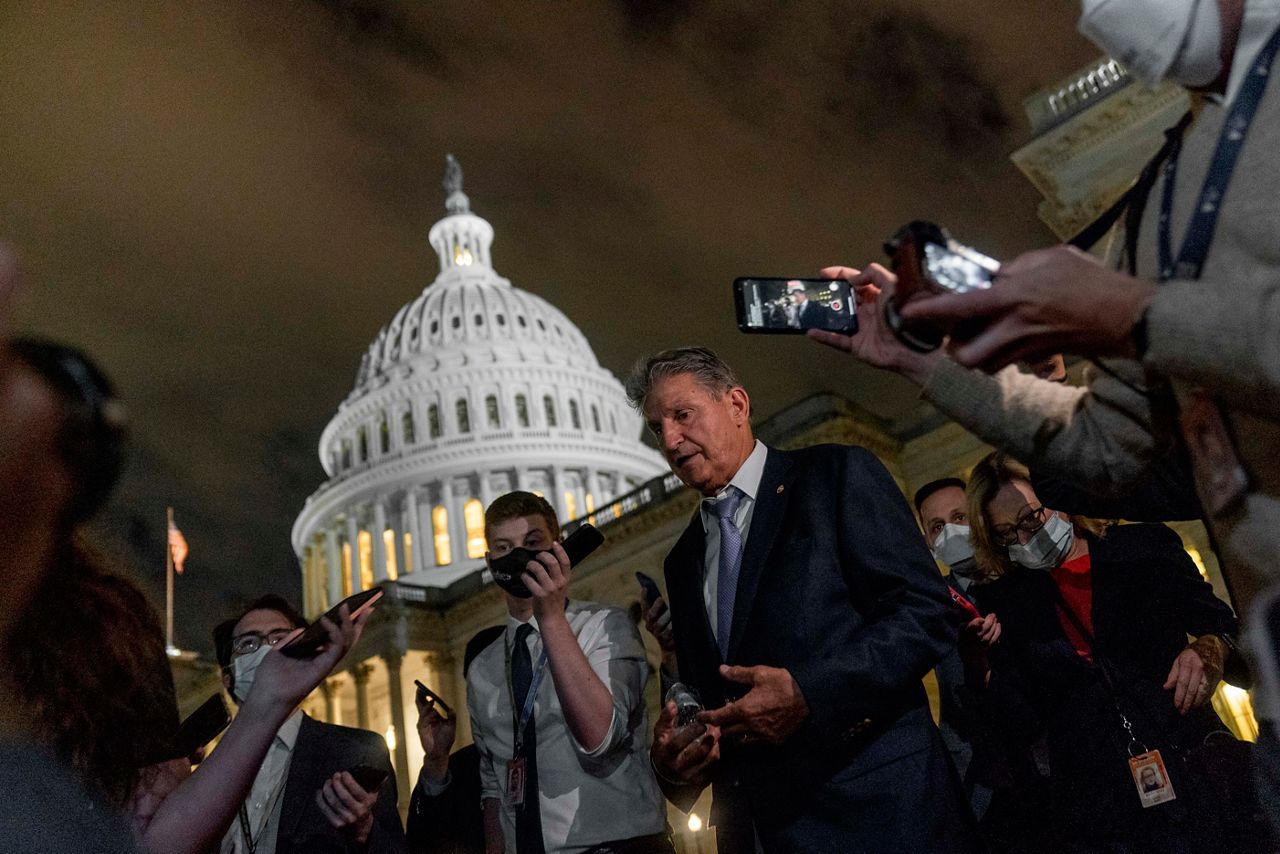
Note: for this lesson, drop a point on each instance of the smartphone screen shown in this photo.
(791, 306)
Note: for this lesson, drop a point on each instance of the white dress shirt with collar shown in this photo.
(747, 481)
(587, 795)
(267, 795)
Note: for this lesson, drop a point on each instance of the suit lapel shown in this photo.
(685, 583)
(296, 794)
(766, 519)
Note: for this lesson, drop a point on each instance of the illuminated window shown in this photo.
(384, 435)
(491, 411)
(346, 570)
(389, 546)
(363, 441)
(574, 417)
(549, 407)
(462, 256)
(570, 506)
(366, 560)
(406, 427)
(1235, 708)
(408, 552)
(595, 418)
(464, 416)
(346, 453)
(1198, 561)
(440, 524)
(433, 421)
(522, 410)
(473, 516)
(591, 503)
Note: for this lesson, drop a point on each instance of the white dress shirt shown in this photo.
(747, 481)
(587, 795)
(267, 794)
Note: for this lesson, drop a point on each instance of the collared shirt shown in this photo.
(747, 481)
(587, 794)
(267, 794)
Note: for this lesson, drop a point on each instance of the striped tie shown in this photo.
(730, 563)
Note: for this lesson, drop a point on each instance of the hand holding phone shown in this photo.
(369, 778)
(777, 306)
(309, 643)
(426, 696)
(648, 590)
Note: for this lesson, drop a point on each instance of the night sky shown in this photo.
(224, 202)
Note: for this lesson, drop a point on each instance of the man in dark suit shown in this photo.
(806, 611)
(810, 314)
(304, 800)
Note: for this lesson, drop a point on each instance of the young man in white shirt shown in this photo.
(557, 708)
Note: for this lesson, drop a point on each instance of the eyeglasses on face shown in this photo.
(250, 642)
(1029, 521)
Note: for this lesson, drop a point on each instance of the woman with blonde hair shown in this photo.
(1093, 656)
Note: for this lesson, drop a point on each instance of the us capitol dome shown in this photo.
(475, 388)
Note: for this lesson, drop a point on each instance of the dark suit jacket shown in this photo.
(451, 822)
(815, 315)
(321, 751)
(1147, 598)
(837, 586)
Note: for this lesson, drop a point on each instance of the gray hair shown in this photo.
(708, 369)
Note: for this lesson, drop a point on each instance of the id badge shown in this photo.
(1151, 778)
(516, 770)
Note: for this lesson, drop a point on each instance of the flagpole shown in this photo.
(168, 587)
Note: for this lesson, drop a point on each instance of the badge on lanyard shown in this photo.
(516, 770)
(1151, 778)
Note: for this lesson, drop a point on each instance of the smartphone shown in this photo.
(791, 306)
(582, 542)
(369, 778)
(308, 644)
(425, 694)
(649, 588)
(203, 725)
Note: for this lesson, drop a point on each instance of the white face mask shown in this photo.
(1047, 547)
(243, 671)
(1179, 40)
(952, 545)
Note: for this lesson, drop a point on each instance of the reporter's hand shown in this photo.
(436, 731)
(155, 783)
(347, 806)
(686, 754)
(771, 711)
(283, 682)
(547, 578)
(1057, 300)
(658, 621)
(1196, 673)
(874, 342)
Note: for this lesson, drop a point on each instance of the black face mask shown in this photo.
(508, 571)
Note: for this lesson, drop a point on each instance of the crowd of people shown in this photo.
(1075, 643)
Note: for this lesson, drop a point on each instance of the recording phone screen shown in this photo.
(782, 306)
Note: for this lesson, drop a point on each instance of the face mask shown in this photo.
(952, 545)
(508, 571)
(1046, 549)
(243, 671)
(1178, 40)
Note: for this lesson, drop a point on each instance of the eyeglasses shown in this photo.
(1029, 521)
(250, 642)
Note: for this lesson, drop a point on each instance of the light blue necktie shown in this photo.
(730, 563)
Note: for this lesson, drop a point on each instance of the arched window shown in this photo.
(389, 549)
(346, 453)
(407, 428)
(433, 420)
(346, 570)
(549, 407)
(595, 418)
(464, 416)
(384, 435)
(473, 516)
(366, 560)
(574, 417)
(522, 410)
(363, 441)
(491, 411)
(570, 505)
(440, 527)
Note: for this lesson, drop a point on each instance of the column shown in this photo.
(555, 490)
(427, 526)
(308, 574)
(334, 557)
(360, 673)
(486, 490)
(379, 543)
(353, 541)
(401, 758)
(593, 488)
(326, 691)
(457, 525)
(522, 479)
(421, 548)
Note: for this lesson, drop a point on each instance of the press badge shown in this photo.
(1151, 778)
(516, 770)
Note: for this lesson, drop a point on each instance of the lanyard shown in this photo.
(527, 711)
(1195, 244)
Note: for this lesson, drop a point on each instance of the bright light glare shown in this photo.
(833, 286)
(695, 823)
(390, 736)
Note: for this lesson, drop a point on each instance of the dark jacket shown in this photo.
(1147, 598)
(451, 822)
(837, 587)
(321, 751)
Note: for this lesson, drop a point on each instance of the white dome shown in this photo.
(473, 389)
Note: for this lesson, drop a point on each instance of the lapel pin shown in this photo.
(781, 489)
